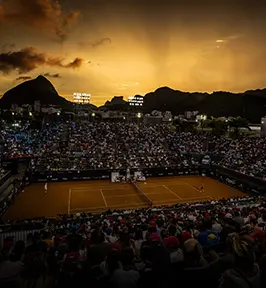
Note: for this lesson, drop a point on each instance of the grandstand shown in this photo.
(68, 222)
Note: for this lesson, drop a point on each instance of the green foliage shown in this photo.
(219, 126)
(236, 123)
(183, 125)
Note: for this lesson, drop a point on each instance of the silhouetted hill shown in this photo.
(257, 92)
(39, 89)
(117, 103)
(250, 104)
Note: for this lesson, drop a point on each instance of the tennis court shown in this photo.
(98, 196)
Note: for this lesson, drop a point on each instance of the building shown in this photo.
(37, 106)
(50, 110)
(27, 107)
(191, 114)
(81, 98)
(201, 117)
(167, 117)
(136, 101)
(150, 119)
(14, 107)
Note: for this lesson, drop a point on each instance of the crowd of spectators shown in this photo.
(103, 145)
(215, 244)
(246, 155)
(218, 243)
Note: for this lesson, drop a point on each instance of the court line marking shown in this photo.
(181, 182)
(124, 195)
(69, 201)
(197, 189)
(159, 185)
(104, 200)
(111, 206)
(129, 195)
(154, 193)
(119, 185)
(88, 208)
(171, 201)
(135, 203)
(171, 192)
(117, 196)
(97, 189)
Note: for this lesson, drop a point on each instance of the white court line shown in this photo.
(97, 189)
(118, 186)
(69, 201)
(150, 185)
(153, 193)
(111, 206)
(197, 190)
(117, 196)
(157, 185)
(172, 192)
(104, 200)
(196, 199)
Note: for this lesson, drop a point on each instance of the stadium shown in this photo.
(132, 144)
(128, 187)
(125, 175)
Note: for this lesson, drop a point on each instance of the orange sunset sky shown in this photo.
(125, 47)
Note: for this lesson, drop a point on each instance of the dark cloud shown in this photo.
(100, 42)
(92, 63)
(29, 58)
(76, 63)
(49, 75)
(7, 47)
(23, 78)
(40, 14)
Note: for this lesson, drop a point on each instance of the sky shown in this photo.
(126, 47)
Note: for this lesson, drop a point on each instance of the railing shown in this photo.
(4, 178)
(16, 235)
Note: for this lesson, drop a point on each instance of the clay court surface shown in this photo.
(98, 196)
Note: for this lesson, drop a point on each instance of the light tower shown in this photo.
(136, 101)
(81, 98)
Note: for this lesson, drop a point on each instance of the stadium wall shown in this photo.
(101, 174)
(243, 182)
(17, 235)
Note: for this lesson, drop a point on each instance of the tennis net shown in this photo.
(143, 196)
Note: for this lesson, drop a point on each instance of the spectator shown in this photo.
(245, 273)
(172, 246)
(207, 237)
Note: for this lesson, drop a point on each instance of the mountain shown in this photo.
(117, 103)
(250, 104)
(39, 89)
